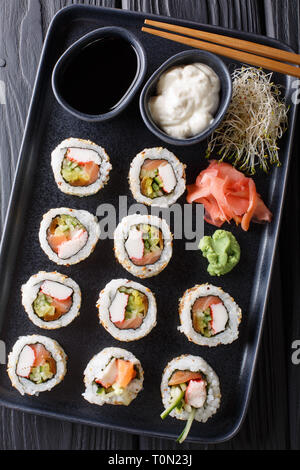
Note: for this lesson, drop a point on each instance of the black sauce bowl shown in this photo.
(76, 48)
(185, 58)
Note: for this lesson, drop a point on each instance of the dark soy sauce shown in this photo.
(96, 79)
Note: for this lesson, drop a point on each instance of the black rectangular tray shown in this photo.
(35, 192)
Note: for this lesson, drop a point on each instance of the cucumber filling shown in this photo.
(49, 309)
(41, 374)
(152, 237)
(178, 401)
(151, 184)
(77, 174)
(137, 306)
(65, 224)
(73, 172)
(202, 323)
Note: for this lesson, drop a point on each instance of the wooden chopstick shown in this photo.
(248, 46)
(234, 54)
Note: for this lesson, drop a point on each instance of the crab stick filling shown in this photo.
(53, 300)
(157, 178)
(36, 363)
(188, 389)
(128, 308)
(144, 244)
(66, 236)
(209, 316)
(117, 375)
(80, 167)
(195, 394)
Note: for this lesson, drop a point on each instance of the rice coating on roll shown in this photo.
(80, 167)
(36, 364)
(68, 236)
(127, 309)
(193, 365)
(114, 376)
(209, 316)
(51, 300)
(156, 177)
(143, 244)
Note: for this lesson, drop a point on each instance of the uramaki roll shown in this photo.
(36, 364)
(209, 316)
(157, 177)
(127, 309)
(51, 300)
(80, 167)
(68, 236)
(143, 244)
(196, 369)
(114, 376)
(190, 391)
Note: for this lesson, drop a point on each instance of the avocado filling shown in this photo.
(42, 305)
(63, 228)
(114, 391)
(202, 323)
(64, 225)
(209, 316)
(36, 363)
(79, 174)
(137, 303)
(41, 373)
(151, 184)
(152, 238)
(66, 236)
(50, 309)
(73, 172)
(144, 244)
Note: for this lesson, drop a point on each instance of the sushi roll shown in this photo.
(68, 236)
(157, 177)
(127, 310)
(114, 376)
(190, 391)
(51, 300)
(80, 167)
(36, 364)
(143, 244)
(209, 316)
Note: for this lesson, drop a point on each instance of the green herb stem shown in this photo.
(187, 427)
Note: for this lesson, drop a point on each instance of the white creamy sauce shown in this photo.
(187, 98)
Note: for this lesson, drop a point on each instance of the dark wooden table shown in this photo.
(273, 417)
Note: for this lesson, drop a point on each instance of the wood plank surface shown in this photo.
(273, 417)
(282, 20)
